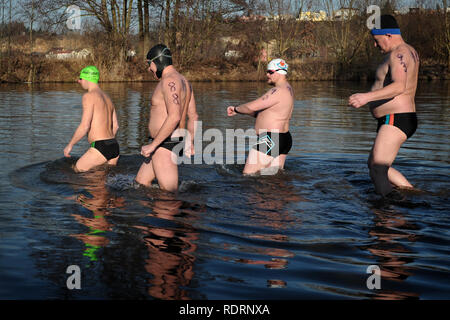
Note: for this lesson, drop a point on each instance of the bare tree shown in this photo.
(347, 33)
(284, 23)
(442, 39)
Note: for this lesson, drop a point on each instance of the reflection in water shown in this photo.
(170, 252)
(392, 257)
(249, 238)
(269, 199)
(100, 204)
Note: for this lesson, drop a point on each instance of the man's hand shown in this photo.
(147, 150)
(67, 151)
(358, 100)
(231, 112)
(189, 150)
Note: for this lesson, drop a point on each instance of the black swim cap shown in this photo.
(161, 56)
(388, 22)
(388, 25)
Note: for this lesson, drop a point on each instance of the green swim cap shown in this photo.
(90, 73)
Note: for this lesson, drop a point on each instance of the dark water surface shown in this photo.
(307, 233)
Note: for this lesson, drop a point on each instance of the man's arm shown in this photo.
(398, 64)
(268, 100)
(172, 97)
(84, 126)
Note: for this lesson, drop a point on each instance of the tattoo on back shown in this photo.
(403, 63)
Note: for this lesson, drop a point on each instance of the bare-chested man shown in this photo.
(99, 122)
(172, 101)
(391, 102)
(273, 112)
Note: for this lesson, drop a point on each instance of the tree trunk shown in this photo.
(141, 20)
(175, 28)
(167, 22)
(31, 72)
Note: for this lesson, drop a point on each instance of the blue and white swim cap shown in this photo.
(278, 65)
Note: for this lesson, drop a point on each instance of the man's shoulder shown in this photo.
(401, 51)
(174, 82)
(173, 76)
(284, 90)
(93, 94)
(93, 97)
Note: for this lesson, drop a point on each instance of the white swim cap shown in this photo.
(278, 65)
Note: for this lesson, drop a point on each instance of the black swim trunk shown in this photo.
(274, 143)
(108, 148)
(170, 143)
(407, 122)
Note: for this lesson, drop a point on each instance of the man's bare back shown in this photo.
(98, 122)
(102, 123)
(405, 56)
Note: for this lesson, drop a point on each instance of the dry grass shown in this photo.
(113, 67)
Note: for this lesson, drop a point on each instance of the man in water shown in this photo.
(272, 112)
(392, 103)
(172, 101)
(99, 122)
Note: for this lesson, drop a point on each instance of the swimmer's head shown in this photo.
(388, 25)
(90, 73)
(388, 31)
(161, 56)
(277, 65)
(276, 69)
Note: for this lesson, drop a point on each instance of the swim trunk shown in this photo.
(407, 122)
(108, 148)
(170, 143)
(274, 143)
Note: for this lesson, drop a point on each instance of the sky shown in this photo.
(317, 5)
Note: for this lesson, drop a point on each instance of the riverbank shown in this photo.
(19, 69)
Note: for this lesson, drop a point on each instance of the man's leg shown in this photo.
(113, 162)
(89, 160)
(166, 169)
(387, 144)
(256, 161)
(279, 161)
(146, 174)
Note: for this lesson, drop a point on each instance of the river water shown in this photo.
(309, 232)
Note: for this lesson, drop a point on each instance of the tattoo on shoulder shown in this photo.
(403, 63)
(290, 91)
(173, 88)
(272, 91)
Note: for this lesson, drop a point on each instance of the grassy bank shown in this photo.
(19, 66)
(17, 69)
